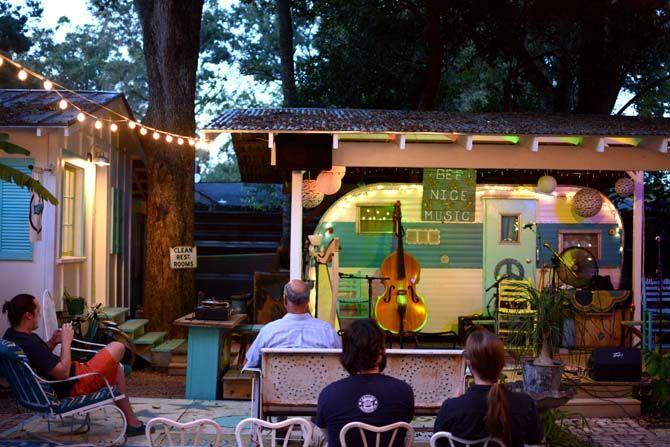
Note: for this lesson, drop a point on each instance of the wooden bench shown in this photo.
(290, 380)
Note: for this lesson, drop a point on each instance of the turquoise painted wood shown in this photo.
(15, 242)
(203, 367)
(462, 243)
(610, 245)
(496, 250)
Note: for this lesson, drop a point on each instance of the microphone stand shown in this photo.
(369, 279)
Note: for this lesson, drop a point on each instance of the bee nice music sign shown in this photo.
(449, 195)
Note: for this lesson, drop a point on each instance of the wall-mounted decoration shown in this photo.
(422, 236)
(587, 202)
(546, 184)
(449, 195)
(624, 187)
(311, 196)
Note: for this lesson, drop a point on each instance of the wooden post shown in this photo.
(638, 240)
(296, 225)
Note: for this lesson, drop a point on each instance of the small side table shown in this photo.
(208, 354)
(247, 332)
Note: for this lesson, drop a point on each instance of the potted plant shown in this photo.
(543, 331)
(73, 304)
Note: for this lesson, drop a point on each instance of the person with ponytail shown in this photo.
(487, 408)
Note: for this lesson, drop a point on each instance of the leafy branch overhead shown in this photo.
(13, 175)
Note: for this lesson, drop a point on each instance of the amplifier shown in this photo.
(212, 313)
(616, 364)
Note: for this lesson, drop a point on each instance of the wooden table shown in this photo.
(208, 354)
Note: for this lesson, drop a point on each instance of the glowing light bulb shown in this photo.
(143, 131)
(62, 104)
(81, 117)
(132, 124)
(180, 141)
(168, 138)
(2, 61)
(48, 85)
(98, 124)
(113, 127)
(191, 142)
(23, 75)
(156, 135)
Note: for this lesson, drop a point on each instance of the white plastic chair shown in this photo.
(379, 431)
(257, 426)
(185, 432)
(484, 442)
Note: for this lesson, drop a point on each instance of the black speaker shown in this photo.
(616, 364)
(304, 151)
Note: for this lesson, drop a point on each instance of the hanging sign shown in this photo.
(183, 257)
(449, 195)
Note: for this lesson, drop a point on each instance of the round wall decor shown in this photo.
(625, 187)
(587, 202)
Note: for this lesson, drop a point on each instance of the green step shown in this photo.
(150, 338)
(117, 314)
(169, 345)
(134, 328)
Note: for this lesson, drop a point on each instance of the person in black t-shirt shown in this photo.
(366, 395)
(487, 408)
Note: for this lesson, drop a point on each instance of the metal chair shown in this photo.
(257, 426)
(37, 395)
(171, 428)
(483, 442)
(379, 431)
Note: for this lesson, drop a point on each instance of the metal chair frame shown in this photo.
(257, 426)
(394, 428)
(451, 438)
(182, 428)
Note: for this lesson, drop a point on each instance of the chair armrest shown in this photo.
(69, 379)
(82, 342)
(89, 351)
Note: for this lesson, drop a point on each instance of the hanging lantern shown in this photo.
(328, 183)
(311, 196)
(625, 187)
(546, 184)
(339, 171)
(587, 202)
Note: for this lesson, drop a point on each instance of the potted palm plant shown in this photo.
(73, 304)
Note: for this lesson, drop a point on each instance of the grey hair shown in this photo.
(295, 297)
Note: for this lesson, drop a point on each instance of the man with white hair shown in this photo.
(296, 329)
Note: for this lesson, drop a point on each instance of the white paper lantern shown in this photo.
(311, 196)
(546, 184)
(625, 187)
(339, 171)
(328, 183)
(587, 202)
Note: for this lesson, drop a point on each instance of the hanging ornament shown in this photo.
(546, 184)
(311, 196)
(339, 171)
(328, 183)
(625, 187)
(587, 202)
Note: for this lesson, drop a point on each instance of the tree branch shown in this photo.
(643, 91)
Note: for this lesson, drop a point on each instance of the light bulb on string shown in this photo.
(2, 61)
(23, 75)
(168, 138)
(81, 117)
(180, 141)
(156, 135)
(143, 130)
(98, 124)
(191, 142)
(132, 124)
(62, 104)
(113, 127)
(48, 85)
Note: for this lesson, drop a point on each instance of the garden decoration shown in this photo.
(546, 184)
(587, 202)
(311, 196)
(624, 187)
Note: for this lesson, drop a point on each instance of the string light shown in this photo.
(156, 135)
(113, 127)
(168, 138)
(23, 75)
(48, 85)
(81, 117)
(180, 141)
(132, 124)
(143, 130)
(98, 124)
(62, 103)
(191, 142)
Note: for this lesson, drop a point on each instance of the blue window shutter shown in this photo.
(15, 242)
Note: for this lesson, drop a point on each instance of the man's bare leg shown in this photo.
(117, 350)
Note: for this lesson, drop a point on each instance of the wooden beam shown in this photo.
(401, 142)
(38, 132)
(530, 142)
(273, 151)
(336, 141)
(465, 141)
(597, 144)
(659, 144)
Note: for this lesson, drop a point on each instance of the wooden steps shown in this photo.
(134, 328)
(116, 314)
(236, 384)
(161, 355)
(146, 342)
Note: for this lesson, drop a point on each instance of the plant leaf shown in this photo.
(4, 136)
(9, 174)
(12, 148)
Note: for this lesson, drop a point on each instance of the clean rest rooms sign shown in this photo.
(183, 257)
(449, 195)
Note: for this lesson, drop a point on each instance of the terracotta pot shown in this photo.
(540, 379)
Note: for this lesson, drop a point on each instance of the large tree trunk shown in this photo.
(287, 69)
(171, 37)
(433, 72)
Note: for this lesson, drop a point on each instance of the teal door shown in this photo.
(509, 248)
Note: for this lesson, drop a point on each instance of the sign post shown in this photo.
(183, 257)
(449, 195)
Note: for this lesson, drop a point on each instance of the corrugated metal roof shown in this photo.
(409, 121)
(25, 107)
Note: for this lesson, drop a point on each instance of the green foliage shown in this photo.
(658, 368)
(557, 433)
(263, 197)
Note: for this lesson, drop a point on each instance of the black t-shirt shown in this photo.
(464, 417)
(373, 399)
(41, 359)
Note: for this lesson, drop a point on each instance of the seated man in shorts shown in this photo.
(23, 312)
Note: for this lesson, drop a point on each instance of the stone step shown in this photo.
(164, 353)
(134, 328)
(116, 314)
(604, 408)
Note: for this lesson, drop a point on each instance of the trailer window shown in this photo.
(374, 219)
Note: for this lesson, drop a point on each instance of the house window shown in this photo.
(14, 206)
(589, 239)
(72, 217)
(421, 236)
(509, 229)
(374, 219)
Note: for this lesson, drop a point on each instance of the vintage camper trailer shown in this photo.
(459, 261)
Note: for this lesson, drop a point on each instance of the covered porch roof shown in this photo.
(420, 139)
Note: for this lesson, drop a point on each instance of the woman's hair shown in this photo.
(17, 307)
(486, 354)
(362, 344)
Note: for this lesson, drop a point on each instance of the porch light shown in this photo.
(101, 159)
